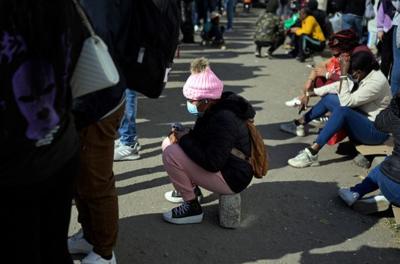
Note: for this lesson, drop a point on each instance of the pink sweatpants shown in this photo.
(184, 173)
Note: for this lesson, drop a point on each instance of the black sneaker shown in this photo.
(189, 212)
(176, 197)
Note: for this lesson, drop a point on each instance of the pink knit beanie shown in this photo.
(202, 83)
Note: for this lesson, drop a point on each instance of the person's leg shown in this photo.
(358, 27)
(127, 130)
(387, 52)
(358, 127)
(184, 173)
(96, 197)
(328, 103)
(307, 45)
(347, 22)
(369, 184)
(229, 14)
(56, 200)
(395, 76)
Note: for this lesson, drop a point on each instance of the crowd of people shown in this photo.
(59, 146)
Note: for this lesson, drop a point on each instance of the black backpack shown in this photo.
(153, 37)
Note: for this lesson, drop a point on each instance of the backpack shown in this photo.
(153, 37)
(258, 157)
(267, 28)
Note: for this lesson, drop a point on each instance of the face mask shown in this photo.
(192, 108)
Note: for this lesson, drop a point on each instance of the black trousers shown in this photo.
(386, 50)
(35, 218)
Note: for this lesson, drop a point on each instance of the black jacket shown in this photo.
(355, 7)
(222, 128)
(389, 121)
(109, 19)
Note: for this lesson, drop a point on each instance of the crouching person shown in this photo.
(385, 176)
(202, 156)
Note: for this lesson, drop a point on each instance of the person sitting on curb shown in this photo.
(202, 156)
(329, 70)
(354, 108)
(309, 37)
(385, 176)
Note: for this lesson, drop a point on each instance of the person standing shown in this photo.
(39, 43)
(384, 18)
(127, 146)
(230, 14)
(395, 76)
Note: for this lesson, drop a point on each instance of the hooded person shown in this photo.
(202, 156)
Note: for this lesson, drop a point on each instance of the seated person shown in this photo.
(354, 108)
(385, 176)
(269, 30)
(309, 37)
(328, 71)
(202, 156)
(213, 32)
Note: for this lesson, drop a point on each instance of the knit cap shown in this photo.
(202, 83)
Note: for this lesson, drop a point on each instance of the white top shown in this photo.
(372, 96)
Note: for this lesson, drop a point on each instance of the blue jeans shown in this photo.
(351, 21)
(127, 130)
(377, 180)
(358, 127)
(230, 12)
(395, 75)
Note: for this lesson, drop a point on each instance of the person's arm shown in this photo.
(307, 26)
(221, 134)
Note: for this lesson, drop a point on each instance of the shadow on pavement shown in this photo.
(278, 218)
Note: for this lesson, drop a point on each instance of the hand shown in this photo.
(179, 134)
(304, 102)
(344, 60)
(294, 29)
(380, 35)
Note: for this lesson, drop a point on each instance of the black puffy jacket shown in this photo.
(389, 121)
(222, 128)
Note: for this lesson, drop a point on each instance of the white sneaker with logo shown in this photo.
(304, 159)
(94, 258)
(123, 152)
(77, 244)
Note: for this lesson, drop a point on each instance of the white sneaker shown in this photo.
(77, 244)
(304, 159)
(293, 129)
(123, 152)
(117, 143)
(348, 196)
(94, 258)
(293, 103)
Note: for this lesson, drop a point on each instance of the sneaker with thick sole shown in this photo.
(189, 212)
(77, 244)
(123, 152)
(304, 159)
(371, 205)
(295, 102)
(321, 121)
(348, 196)
(291, 128)
(94, 258)
(175, 196)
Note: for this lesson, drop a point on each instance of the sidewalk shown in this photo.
(290, 216)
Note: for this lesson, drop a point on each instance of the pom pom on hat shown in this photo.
(202, 83)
